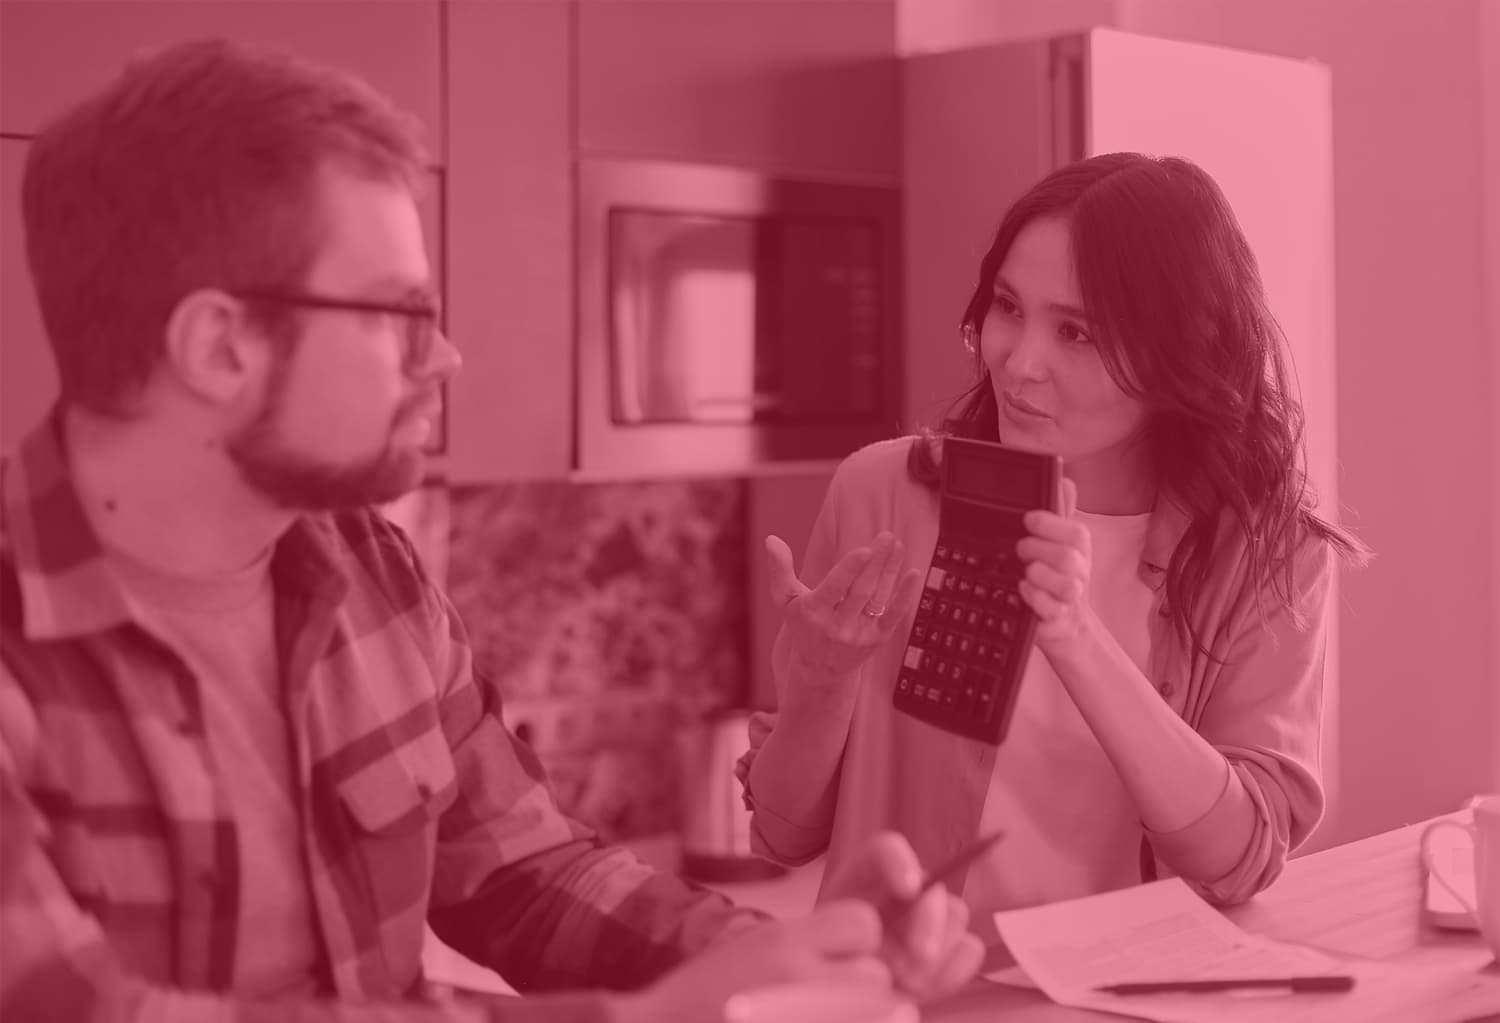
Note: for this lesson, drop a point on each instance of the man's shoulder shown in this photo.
(373, 550)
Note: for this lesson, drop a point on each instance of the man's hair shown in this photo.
(198, 167)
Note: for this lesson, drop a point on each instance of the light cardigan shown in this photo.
(1259, 703)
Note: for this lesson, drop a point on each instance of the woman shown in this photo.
(1169, 715)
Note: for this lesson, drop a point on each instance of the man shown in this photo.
(244, 753)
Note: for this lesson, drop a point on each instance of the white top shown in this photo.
(1071, 828)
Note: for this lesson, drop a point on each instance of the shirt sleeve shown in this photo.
(530, 892)
(58, 964)
(771, 834)
(1264, 714)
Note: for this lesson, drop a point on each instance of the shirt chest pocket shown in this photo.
(391, 809)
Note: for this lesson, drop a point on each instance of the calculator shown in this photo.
(972, 634)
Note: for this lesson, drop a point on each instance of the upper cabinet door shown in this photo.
(28, 379)
(55, 53)
(807, 88)
(510, 240)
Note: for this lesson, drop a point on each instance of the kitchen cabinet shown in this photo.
(808, 88)
(54, 53)
(510, 239)
(28, 380)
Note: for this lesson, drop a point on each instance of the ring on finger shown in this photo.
(873, 610)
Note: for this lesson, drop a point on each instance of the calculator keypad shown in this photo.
(966, 648)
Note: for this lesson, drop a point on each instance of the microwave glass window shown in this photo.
(722, 319)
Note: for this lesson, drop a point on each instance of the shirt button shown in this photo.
(1167, 689)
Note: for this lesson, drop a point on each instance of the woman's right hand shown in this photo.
(831, 629)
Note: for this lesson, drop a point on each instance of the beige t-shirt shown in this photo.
(224, 628)
(1071, 827)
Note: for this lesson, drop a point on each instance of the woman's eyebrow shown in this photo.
(1001, 284)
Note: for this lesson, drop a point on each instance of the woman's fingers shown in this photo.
(1046, 606)
(1063, 586)
(784, 584)
(863, 588)
(904, 598)
(890, 571)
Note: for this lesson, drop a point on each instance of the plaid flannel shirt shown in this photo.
(118, 872)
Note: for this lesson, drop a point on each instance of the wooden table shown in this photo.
(1361, 899)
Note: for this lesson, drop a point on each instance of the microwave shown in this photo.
(729, 318)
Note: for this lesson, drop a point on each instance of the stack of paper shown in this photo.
(1165, 932)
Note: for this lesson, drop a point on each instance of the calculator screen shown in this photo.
(1009, 481)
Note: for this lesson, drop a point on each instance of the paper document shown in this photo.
(1164, 931)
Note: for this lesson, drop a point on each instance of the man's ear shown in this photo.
(210, 351)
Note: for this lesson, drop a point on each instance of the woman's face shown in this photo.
(1051, 385)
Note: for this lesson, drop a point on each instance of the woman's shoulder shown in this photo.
(881, 459)
(877, 474)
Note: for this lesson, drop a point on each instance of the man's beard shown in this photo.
(294, 481)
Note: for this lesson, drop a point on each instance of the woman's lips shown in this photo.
(1020, 406)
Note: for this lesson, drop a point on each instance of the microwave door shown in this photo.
(684, 329)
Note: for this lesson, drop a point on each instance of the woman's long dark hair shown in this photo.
(1182, 325)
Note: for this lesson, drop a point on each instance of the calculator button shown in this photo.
(943, 607)
(957, 674)
(919, 632)
(941, 553)
(965, 644)
(982, 650)
(950, 699)
(949, 640)
(933, 694)
(925, 604)
(935, 578)
(972, 617)
(919, 690)
(913, 657)
(959, 614)
(965, 587)
(998, 651)
(991, 623)
(903, 682)
(981, 591)
(971, 561)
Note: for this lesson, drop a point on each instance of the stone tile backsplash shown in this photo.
(611, 615)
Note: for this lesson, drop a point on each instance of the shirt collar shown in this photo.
(1169, 522)
(67, 582)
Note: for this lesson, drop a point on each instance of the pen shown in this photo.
(894, 909)
(1291, 984)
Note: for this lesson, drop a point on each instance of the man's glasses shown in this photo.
(421, 321)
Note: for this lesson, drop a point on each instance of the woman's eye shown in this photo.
(1005, 305)
(1073, 334)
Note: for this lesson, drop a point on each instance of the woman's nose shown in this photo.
(1027, 358)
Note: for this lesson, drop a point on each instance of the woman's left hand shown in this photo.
(1058, 556)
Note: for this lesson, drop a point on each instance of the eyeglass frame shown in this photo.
(424, 322)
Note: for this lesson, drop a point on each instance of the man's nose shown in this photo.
(444, 360)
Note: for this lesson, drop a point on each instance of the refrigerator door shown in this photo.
(1262, 127)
